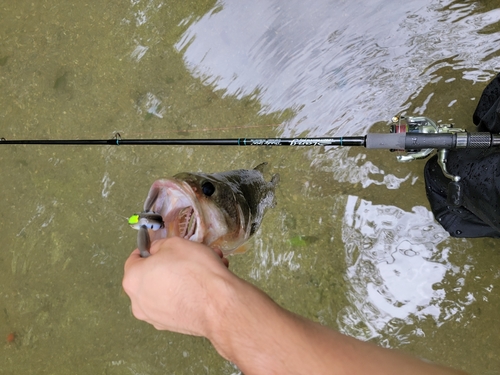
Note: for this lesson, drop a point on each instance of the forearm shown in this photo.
(260, 337)
(186, 287)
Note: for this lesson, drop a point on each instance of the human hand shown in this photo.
(176, 287)
(186, 287)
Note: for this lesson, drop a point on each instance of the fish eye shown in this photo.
(208, 188)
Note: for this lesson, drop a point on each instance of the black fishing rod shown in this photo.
(418, 136)
(119, 141)
(394, 141)
(407, 134)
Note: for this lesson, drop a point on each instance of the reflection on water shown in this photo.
(356, 169)
(396, 272)
(341, 65)
(268, 260)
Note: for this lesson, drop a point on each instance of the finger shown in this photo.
(156, 245)
(218, 251)
(137, 311)
(132, 259)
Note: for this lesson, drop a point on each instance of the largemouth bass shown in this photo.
(222, 210)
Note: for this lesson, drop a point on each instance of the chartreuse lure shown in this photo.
(142, 222)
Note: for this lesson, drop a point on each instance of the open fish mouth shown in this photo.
(187, 222)
(176, 202)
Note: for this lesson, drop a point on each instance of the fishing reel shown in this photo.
(409, 125)
(401, 124)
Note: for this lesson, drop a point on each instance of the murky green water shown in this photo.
(351, 244)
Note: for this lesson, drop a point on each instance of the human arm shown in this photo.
(186, 287)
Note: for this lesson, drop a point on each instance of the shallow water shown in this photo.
(352, 242)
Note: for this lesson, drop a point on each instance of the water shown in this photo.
(351, 244)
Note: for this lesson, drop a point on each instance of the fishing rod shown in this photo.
(417, 133)
(396, 141)
(418, 136)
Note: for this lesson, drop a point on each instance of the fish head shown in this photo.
(200, 208)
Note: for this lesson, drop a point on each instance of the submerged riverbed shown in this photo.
(351, 244)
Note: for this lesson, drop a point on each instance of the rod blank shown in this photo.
(335, 141)
(391, 141)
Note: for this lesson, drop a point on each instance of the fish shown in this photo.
(221, 210)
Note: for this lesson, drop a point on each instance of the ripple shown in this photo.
(340, 65)
(397, 274)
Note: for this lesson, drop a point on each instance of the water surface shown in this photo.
(352, 243)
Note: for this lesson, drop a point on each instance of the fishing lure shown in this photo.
(142, 222)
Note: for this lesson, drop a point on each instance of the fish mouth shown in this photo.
(178, 205)
(187, 222)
